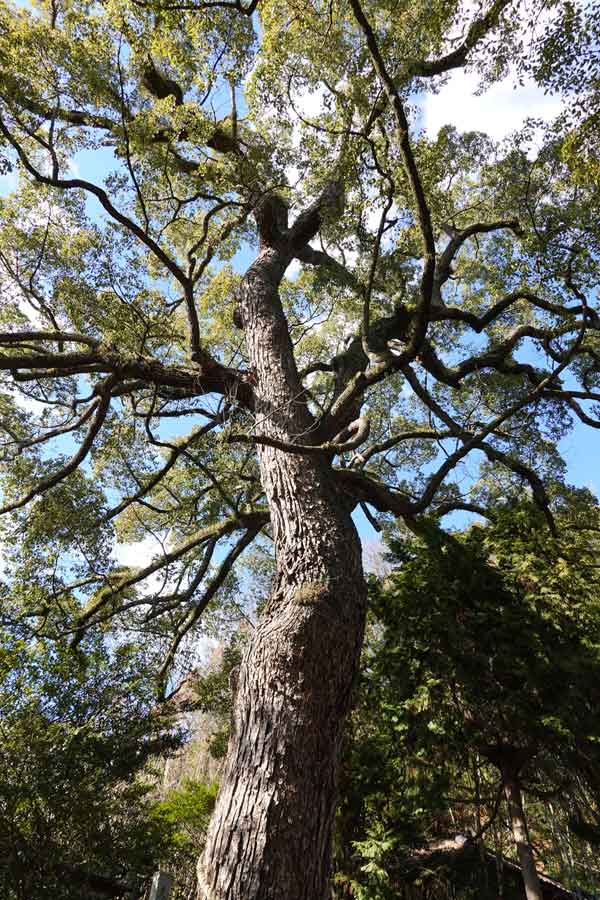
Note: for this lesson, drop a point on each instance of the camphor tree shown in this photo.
(443, 312)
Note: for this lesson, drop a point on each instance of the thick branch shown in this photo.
(431, 434)
(206, 5)
(367, 490)
(209, 377)
(351, 366)
(458, 238)
(478, 323)
(442, 509)
(349, 439)
(308, 223)
(61, 337)
(337, 270)
(164, 603)
(478, 29)
(421, 208)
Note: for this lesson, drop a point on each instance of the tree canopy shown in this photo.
(127, 398)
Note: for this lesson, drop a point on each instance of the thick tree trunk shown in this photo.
(518, 822)
(271, 831)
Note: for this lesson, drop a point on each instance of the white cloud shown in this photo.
(497, 112)
(139, 554)
(73, 168)
(310, 103)
(373, 554)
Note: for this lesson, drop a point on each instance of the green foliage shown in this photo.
(479, 644)
(186, 813)
(212, 689)
(162, 131)
(213, 694)
(78, 732)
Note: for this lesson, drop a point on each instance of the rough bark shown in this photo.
(518, 823)
(270, 834)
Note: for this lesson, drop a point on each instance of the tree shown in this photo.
(444, 313)
(487, 648)
(78, 732)
(186, 812)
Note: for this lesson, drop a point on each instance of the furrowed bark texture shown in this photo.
(271, 831)
(512, 792)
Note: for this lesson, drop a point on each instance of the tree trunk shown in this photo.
(518, 823)
(271, 832)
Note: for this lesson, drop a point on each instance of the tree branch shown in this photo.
(177, 451)
(210, 377)
(45, 484)
(478, 29)
(62, 337)
(421, 208)
(199, 607)
(104, 200)
(202, 5)
(362, 458)
(457, 239)
(308, 223)
(363, 488)
(337, 270)
(22, 445)
(478, 323)
(252, 521)
(348, 439)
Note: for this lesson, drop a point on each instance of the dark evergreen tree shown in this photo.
(484, 657)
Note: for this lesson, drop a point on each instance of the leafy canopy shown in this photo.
(443, 312)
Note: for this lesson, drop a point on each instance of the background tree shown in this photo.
(443, 311)
(186, 812)
(190, 781)
(480, 680)
(78, 732)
